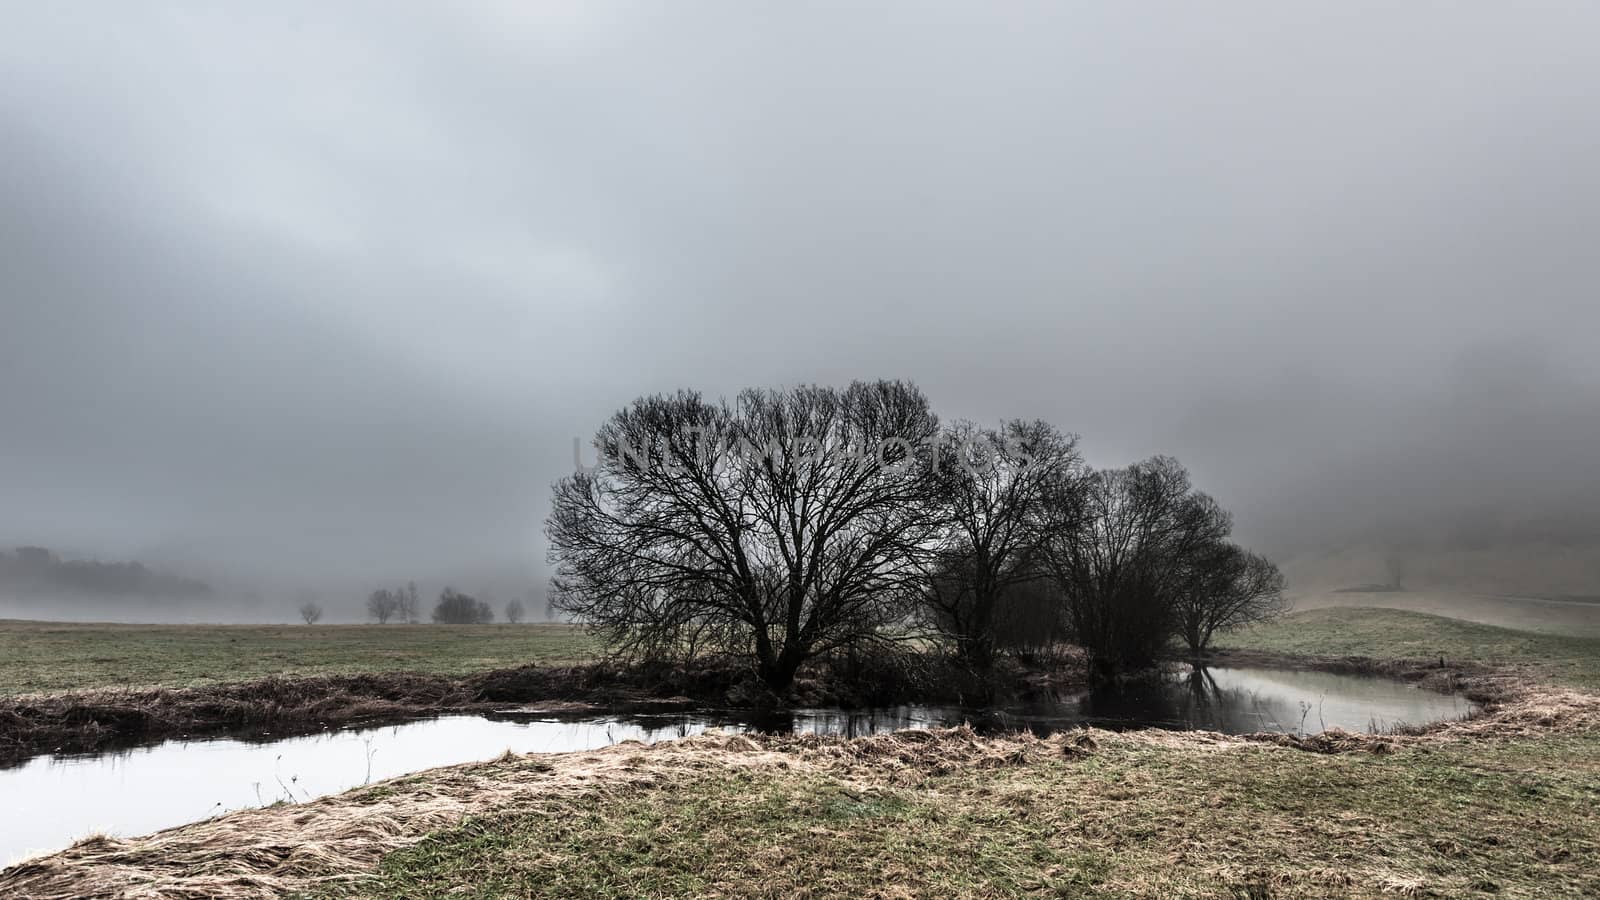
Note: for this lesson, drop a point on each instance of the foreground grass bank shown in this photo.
(1508, 806)
(1137, 816)
(43, 657)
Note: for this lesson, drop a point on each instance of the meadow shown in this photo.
(50, 657)
(1507, 804)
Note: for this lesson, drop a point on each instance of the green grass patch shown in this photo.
(54, 656)
(1394, 634)
(747, 832)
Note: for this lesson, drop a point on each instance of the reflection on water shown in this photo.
(1239, 701)
(1233, 701)
(50, 801)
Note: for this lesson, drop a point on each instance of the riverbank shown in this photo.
(1482, 662)
(1506, 802)
(1503, 803)
(102, 720)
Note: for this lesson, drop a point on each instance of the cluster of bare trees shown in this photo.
(397, 604)
(386, 605)
(1139, 556)
(455, 608)
(789, 523)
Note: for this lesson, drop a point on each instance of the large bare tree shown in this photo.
(995, 487)
(783, 525)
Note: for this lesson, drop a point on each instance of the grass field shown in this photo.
(1393, 634)
(53, 656)
(1555, 615)
(1507, 805)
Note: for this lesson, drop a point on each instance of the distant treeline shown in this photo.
(37, 570)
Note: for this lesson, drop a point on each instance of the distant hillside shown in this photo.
(1525, 569)
(36, 571)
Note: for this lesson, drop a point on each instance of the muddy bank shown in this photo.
(99, 721)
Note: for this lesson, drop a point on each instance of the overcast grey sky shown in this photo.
(331, 287)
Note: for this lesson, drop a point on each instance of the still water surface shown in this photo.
(48, 802)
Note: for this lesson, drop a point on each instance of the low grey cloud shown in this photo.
(327, 291)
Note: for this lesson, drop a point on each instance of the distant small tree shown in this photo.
(1396, 564)
(310, 612)
(410, 608)
(384, 604)
(514, 611)
(460, 609)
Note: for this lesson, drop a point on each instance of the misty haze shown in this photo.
(974, 450)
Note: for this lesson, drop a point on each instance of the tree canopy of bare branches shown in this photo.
(787, 524)
(779, 526)
(1224, 587)
(994, 488)
(1119, 558)
(384, 604)
(310, 612)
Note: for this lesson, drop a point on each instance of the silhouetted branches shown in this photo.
(792, 523)
(780, 526)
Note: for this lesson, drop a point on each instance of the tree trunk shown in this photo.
(779, 673)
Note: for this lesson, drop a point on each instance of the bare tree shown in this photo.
(784, 525)
(514, 611)
(1396, 564)
(410, 608)
(1119, 557)
(310, 612)
(384, 604)
(1224, 587)
(995, 488)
